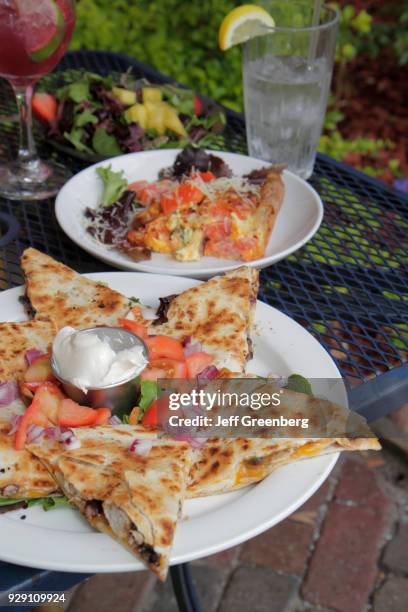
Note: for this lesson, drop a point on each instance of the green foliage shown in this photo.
(391, 33)
(353, 30)
(336, 146)
(178, 41)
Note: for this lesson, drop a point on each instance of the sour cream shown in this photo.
(86, 360)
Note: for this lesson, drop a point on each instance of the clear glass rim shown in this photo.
(333, 19)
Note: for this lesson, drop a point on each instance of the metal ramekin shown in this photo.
(120, 396)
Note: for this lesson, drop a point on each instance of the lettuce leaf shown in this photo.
(148, 393)
(297, 382)
(104, 143)
(46, 502)
(114, 185)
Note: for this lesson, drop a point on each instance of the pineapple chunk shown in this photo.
(155, 116)
(172, 121)
(151, 94)
(137, 114)
(125, 96)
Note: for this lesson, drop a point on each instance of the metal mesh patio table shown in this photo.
(348, 286)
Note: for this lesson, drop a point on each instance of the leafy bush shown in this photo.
(178, 39)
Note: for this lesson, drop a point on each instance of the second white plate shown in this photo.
(298, 220)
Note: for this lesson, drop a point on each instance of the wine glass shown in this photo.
(34, 35)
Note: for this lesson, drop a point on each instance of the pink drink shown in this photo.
(34, 35)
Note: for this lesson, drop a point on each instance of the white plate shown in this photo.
(298, 220)
(62, 540)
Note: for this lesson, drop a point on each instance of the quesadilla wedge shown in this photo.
(56, 291)
(127, 482)
(226, 464)
(17, 338)
(22, 476)
(218, 314)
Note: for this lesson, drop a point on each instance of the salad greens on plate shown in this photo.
(105, 116)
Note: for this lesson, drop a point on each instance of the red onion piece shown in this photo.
(114, 420)
(191, 347)
(14, 422)
(54, 433)
(141, 447)
(66, 435)
(8, 393)
(10, 490)
(34, 432)
(69, 439)
(32, 354)
(194, 442)
(198, 442)
(209, 373)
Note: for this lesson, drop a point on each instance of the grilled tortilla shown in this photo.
(228, 464)
(22, 476)
(136, 499)
(56, 291)
(16, 339)
(218, 314)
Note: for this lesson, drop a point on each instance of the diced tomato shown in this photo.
(153, 192)
(187, 193)
(45, 106)
(39, 371)
(102, 416)
(204, 176)
(164, 368)
(49, 398)
(31, 413)
(164, 346)
(71, 414)
(42, 411)
(136, 328)
(157, 412)
(197, 362)
(198, 106)
(207, 176)
(168, 204)
(137, 186)
(150, 416)
(218, 230)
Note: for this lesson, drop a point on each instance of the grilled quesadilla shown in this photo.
(218, 314)
(226, 464)
(16, 339)
(22, 476)
(127, 482)
(229, 464)
(56, 291)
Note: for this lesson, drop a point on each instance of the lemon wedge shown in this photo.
(242, 23)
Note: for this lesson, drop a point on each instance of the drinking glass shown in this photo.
(34, 35)
(287, 74)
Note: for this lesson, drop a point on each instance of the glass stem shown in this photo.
(27, 152)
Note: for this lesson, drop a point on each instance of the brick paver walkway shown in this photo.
(345, 550)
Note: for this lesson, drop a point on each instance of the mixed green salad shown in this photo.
(107, 116)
